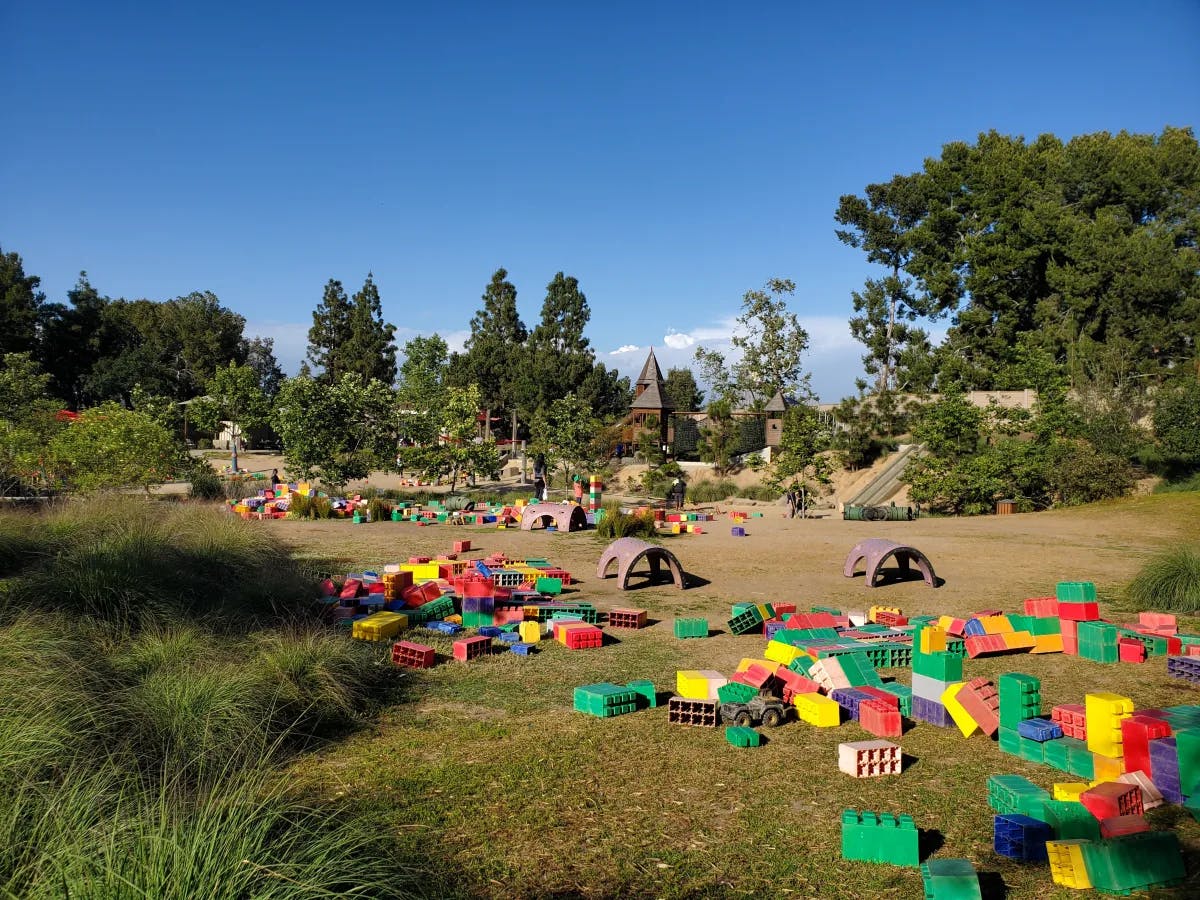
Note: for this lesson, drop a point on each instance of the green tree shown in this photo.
(799, 463)
(331, 332)
(681, 388)
(1177, 419)
(20, 306)
(335, 432)
(260, 356)
(110, 447)
(770, 341)
(569, 436)
(718, 435)
(497, 335)
(370, 351)
(74, 339)
(234, 395)
(27, 422)
(950, 427)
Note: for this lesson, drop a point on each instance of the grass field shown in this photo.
(490, 785)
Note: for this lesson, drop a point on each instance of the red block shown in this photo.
(1081, 611)
(478, 586)
(420, 594)
(981, 703)
(376, 587)
(781, 608)
(890, 619)
(1192, 650)
(795, 682)
(880, 718)
(956, 627)
(584, 638)
(415, 656)
(419, 560)
(328, 588)
(811, 620)
(984, 644)
(1070, 636)
(1111, 799)
(1159, 621)
(1041, 606)
(350, 589)
(470, 648)
(1072, 718)
(1136, 733)
(1121, 825)
(986, 613)
(1131, 650)
(462, 546)
(757, 675)
(880, 694)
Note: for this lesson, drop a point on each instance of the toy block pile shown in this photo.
(576, 635)
(684, 522)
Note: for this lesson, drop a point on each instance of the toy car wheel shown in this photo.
(772, 718)
(744, 719)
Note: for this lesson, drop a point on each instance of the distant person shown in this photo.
(619, 453)
(578, 487)
(275, 482)
(539, 488)
(539, 466)
(678, 492)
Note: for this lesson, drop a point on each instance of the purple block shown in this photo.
(932, 712)
(478, 604)
(771, 627)
(1164, 769)
(738, 531)
(849, 699)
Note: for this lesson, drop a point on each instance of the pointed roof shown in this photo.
(651, 373)
(652, 398)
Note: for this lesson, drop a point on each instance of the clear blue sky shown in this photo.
(669, 155)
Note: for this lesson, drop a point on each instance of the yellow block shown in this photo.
(819, 710)
(1069, 790)
(1108, 768)
(674, 528)
(531, 632)
(873, 611)
(421, 572)
(1104, 712)
(379, 626)
(782, 653)
(933, 639)
(1066, 864)
(692, 684)
(944, 622)
(1019, 640)
(961, 717)
(996, 624)
(1047, 643)
(456, 619)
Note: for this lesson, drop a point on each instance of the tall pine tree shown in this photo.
(370, 352)
(497, 332)
(330, 333)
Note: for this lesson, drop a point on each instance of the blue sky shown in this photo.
(669, 155)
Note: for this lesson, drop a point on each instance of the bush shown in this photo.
(377, 509)
(1169, 581)
(618, 524)
(207, 485)
(711, 491)
(759, 492)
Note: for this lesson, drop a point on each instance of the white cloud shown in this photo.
(625, 348)
(456, 340)
(678, 341)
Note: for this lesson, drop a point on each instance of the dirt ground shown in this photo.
(984, 561)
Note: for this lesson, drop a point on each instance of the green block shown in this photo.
(1015, 793)
(1056, 754)
(1010, 740)
(880, 838)
(740, 736)
(691, 628)
(1187, 747)
(1134, 862)
(802, 664)
(1071, 820)
(1098, 642)
(950, 879)
(645, 690)
(736, 692)
(739, 608)
(956, 647)
(859, 671)
(904, 692)
(1041, 625)
(942, 666)
(826, 609)
(546, 585)
(1080, 762)
(1031, 749)
(604, 699)
(1075, 591)
(746, 621)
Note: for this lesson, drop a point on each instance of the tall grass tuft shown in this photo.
(1169, 581)
(618, 524)
(711, 491)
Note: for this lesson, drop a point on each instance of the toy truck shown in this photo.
(768, 711)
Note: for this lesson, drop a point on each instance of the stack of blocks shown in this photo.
(934, 670)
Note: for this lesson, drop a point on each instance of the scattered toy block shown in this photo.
(696, 713)
(472, 648)
(1134, 862)
(412, 655)
(1067, 867)
(869, 759)
(950, 879)
(818, 710)
(691, 628)
(880, 838)
(1104, 712)
(1117, 826)
(692, 684)
(740, 736)
(1112, 798)
(627, 618)
(1021, 837)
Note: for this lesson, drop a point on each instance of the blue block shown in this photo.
(1041, 730)
(521, 649)
(444, 627)
(973, 627)
(491, 631)
(482, 569)
(1022, 837)
(511, 637)
(737, 531)
(931, 711)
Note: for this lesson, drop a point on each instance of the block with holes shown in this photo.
(869, 759)
(472, 648)
(412, 655)
(627, 618)
(1112, 798)
(696, 713)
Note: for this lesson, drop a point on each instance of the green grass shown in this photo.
(617, 524)
(159, 668)
(1185, 484)
(1169, 581)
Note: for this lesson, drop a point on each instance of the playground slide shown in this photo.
(885, 485)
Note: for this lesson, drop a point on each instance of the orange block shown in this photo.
(1108, 768)
(1018, 640)
(1047, 643)
(995, 624)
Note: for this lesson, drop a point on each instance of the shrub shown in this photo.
(759, 492)
(711, 491)
(207, 485)
(299, 506)
(321, 508)
(618, 524)
(377, 509)
(1169, 581)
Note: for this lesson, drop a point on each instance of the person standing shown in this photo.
(578, 488)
